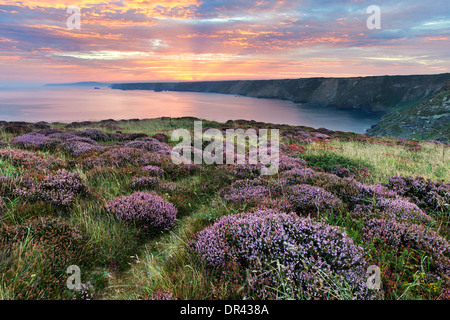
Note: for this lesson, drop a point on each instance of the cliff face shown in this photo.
(429, 119)
(376, 94)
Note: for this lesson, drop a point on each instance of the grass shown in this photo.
(129, 264)
(431, 161)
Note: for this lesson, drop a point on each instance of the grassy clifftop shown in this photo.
(429, 119)
(93, 193)
(377, 93)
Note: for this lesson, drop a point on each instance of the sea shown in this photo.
(70, 104)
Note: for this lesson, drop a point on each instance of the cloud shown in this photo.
(258, 38)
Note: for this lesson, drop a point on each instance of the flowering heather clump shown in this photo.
(296, 136)
(370, 193)
(94, 134)
(246, 171)
(59, 189)
(146, 209)
(62, 136)
(404, 234)
(396, 209)
(55, 245)
(17, 129)
(135, 135)
(145, 183)
(341, 171)
(30, 160)
(375, 191)
(161, 137)
(315, 259)
(180, 170)
(297, 175)
(78, 147)
(153, 171)
(312, 200)
(245, 191)
(289, 163)
(124, 156)
(427, 194)
(33, 141)
(150, 144)
(172, 188)
(402, 210)
(274, 204)
(321, 136)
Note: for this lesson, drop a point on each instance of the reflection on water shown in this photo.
(82, 104)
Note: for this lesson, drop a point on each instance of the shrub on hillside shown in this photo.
(245, 191)
(150, 144)
(153, 171)
(310, 200)
(30, 160)
(427, 194)
(399, 235)
(123, 157)
(144, 209)
(59, 189)
(17, 129)
(33, 141)
(270, 252)
(395, 209)
(141, 183)
(94, 134)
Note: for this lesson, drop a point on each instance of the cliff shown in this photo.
(375, 94)
(429, 119)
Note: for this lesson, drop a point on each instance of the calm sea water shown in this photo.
(81, 104)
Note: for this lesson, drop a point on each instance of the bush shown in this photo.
(180, 170)
(30, 160)
(269, 251)
(161, 137)
(309, 200)
(34, 141)
(94, 134)
(144, 209)
(395, 209)
(153, 171)
(427, 194)
(59, 189)
(17, 129)
(79, 146)
(400, 235)
(246, 171)
(141, 183)
(123, 157)
(245, 191)
(150, 144)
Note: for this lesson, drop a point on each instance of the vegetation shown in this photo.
(105, 196)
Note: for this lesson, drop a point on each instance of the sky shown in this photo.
(193, 40)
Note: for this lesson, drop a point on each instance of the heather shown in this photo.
(309, 200)
(427, 194)
(59, 189)
(146, 209)
(265, 246)
(107, 197)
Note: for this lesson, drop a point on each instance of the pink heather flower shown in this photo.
(146, 209)
(304, 251)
